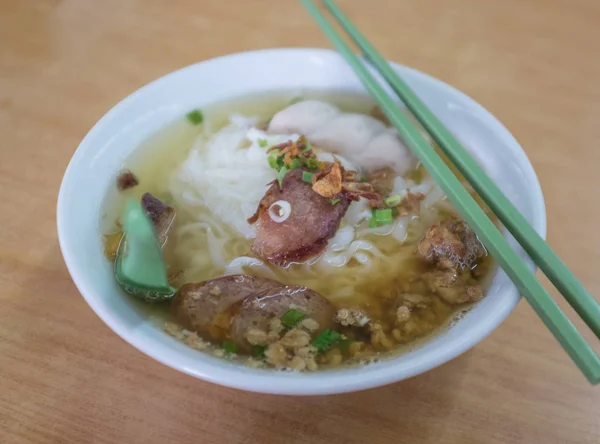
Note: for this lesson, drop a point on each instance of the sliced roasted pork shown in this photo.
(311, 221)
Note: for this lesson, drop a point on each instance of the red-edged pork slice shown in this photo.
(313, 220)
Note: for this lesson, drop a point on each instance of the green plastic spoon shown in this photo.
(139, 267)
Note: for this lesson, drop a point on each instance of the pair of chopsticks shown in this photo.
(539, 251)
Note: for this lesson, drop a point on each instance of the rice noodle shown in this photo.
(243, 121)
(343, 237)
(424, 187)
(218, 187)
(228, 180)
(215, 247)
(384, 230)
(400, 229)
(341, 257)
(237, 266)
(434, 196)
(358, 212)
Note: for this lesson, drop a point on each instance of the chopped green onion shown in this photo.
(312, 163)
(344, 344)
(307, 147)
(393, 200)
(280, 162)
(384, 216)
(280, 175)
(334, 201)
(307, 176)
(262, 143)
(258, 350)
(195, 117)
(273, 162)
(230, 347)
(292, 317)
(373, 221)
(325, 340)
(296, 163)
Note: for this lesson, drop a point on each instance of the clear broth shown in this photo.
(154, 161)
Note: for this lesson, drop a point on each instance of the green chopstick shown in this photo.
(543, 304)
(539, 251)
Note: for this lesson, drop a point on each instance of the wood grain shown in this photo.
(66, 378)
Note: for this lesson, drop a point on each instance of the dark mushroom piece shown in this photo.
(126, 180)
(161, 214)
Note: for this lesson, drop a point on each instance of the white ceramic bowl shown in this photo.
(101, 153)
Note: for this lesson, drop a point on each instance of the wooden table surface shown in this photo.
(66, 378)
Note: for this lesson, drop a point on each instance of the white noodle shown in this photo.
(400, 229)
(239, 264)
(219, 186)
(434, 196)
(342, 239)
(357, 212)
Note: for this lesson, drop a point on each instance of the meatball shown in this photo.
(451, 245)
(260, 309)
(197, 304)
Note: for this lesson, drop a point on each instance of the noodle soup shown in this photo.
(305, 236)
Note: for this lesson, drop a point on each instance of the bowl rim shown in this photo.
(327, 382)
